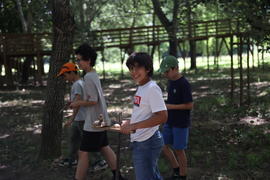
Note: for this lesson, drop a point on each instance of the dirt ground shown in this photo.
(226, 141)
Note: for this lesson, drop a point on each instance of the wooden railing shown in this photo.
(150, 35)
(30, 44)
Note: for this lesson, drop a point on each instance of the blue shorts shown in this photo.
(177, 137)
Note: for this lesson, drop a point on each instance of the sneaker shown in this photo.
(73, 163)
(100, 165)
(67, 162)
(120, 178)
(175, 176)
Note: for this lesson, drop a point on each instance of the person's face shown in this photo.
(84, 65)
(170, 73)
(139, 74)
(67, 77)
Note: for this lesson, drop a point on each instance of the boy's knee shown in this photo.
(165, 147)
(83, 154)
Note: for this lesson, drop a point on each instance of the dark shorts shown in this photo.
(93, 141)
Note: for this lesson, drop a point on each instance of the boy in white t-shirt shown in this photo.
(149, 111)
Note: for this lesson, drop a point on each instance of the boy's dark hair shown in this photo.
(75, 72)
(87, 53)
(141, 59)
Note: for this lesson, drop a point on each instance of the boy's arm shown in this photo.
(91, 91)
(186, 106)
(82, 103)
(156, 119)
(75, 110)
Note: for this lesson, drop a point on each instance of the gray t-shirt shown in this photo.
(93, 92)
(77, 89)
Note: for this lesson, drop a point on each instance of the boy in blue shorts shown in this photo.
(176, 129)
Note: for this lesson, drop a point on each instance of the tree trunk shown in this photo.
(170, 26)
(63, 29)
(192, 45)
(22, 18)
(27, 28)
(173, 44)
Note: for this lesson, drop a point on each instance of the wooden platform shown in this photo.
(39, 44)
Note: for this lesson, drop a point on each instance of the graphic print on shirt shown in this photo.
(137, 100)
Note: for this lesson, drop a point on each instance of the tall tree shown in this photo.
(170, 26)
(26, 28)
(63, 30)
(192, 42)
(22, 18)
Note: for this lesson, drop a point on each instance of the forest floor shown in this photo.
(226, 141)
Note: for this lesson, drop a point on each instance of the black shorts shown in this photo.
(93, 141)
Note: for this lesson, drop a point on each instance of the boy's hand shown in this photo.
(168, 106)
(74, 104)
(126, 127)
(68, 123)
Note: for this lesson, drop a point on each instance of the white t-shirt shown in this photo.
(148, 100)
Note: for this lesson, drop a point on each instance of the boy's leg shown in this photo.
(82, 167)
(145, 157)
(110, 156)
(180, 142)
(75, 139)
(168, 139)
(170, 156)
(181, 156)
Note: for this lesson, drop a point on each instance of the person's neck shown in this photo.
(176, 77)
(144, 81)
(89, 69)
(75, 78)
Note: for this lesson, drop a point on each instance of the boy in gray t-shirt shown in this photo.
(93, 140)
(76, 122)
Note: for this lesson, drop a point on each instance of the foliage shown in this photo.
(7, 10)
(37, 14)
(255, 13)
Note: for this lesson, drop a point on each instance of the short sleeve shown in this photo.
(78, 89)
(156, 99)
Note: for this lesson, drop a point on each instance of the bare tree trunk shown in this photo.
(27, 28)
(82, 19)
(192, 43)
(170, 26)
(63, 30)
(23, 21)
